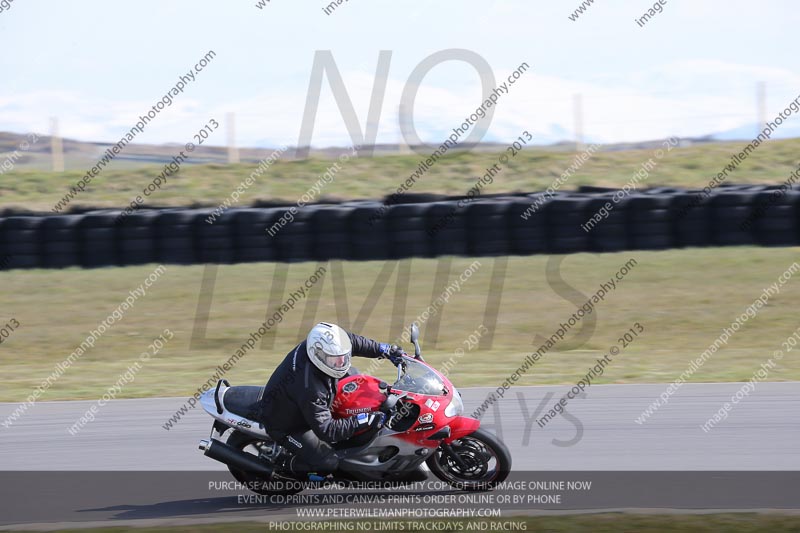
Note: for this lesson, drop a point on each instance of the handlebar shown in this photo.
(390, 402)
(415, 356)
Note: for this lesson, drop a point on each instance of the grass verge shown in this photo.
(682, 298)
(531, 170)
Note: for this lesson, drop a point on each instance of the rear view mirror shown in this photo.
(415, 340)
(414, 332)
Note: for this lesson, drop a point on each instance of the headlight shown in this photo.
(456, 406)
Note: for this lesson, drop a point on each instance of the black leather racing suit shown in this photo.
(296, 407)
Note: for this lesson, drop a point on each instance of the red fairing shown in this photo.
(461, 426)
(357, 394)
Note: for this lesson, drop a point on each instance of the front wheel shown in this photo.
(478, 461)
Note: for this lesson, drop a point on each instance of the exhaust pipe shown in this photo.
(226, 454)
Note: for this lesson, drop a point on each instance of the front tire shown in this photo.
(486, 462)
(254, 482)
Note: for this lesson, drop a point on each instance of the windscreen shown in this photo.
(420, 379)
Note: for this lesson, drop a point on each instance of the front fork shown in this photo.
(460, 426)
(447, 451)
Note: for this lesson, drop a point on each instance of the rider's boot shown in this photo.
(302, 471)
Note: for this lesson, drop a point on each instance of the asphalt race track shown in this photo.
(598, 434)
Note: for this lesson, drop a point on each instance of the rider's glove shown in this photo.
(373, 420)
(393, 353)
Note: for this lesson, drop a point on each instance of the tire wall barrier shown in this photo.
(652, 219)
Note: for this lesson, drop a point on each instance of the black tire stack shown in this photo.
(653, 219)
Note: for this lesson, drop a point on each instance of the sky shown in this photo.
(691, 70)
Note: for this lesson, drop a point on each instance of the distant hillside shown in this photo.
(79, 155)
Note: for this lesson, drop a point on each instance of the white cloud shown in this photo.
(687, 98)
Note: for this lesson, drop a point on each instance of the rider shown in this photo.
(296, 403)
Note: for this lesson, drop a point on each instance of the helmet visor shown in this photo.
(332, 361)
(337, 362)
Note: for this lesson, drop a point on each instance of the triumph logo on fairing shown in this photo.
(358, 411)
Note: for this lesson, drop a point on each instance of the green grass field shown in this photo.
(532, 170)
(682, 298)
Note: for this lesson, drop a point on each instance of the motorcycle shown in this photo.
(424, 428)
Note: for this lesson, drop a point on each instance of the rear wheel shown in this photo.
(478, 461)
(260, 447)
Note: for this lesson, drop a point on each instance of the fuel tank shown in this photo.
(358, 394)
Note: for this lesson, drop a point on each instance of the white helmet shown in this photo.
(329, 349)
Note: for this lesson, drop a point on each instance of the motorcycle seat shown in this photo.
(243, 401)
